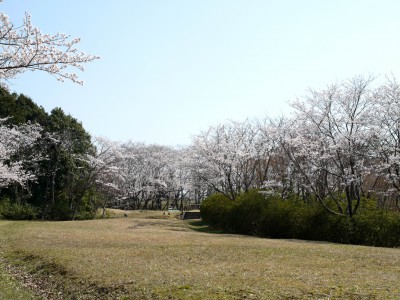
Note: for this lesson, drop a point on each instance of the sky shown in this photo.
(171, 69)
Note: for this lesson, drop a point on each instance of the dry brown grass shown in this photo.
(159, 257)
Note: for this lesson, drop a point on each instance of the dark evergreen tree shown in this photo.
(65, 181)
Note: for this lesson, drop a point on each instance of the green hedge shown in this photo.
(254, 213)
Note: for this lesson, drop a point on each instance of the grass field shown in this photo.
(154, 256)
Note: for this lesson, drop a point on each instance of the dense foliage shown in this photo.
(45, 159)
(254, 213)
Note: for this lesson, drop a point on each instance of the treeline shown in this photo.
(51, 168)
(339, 147)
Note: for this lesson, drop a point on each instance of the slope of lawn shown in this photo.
(154, 256)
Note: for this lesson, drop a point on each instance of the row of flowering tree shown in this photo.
(139, 176)
(339, 145)
(229, 158)
(342, 144)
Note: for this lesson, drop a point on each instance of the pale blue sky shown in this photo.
(170, 69)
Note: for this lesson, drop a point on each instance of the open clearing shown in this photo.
(154, 256)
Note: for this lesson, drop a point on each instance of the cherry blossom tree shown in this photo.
(149, 176)
(25, 48)
(148, 173)
(387, 119)
(227, 157)
(107, 176)
(329, 143)
(13, 164)
(187, 184)
(272, 168)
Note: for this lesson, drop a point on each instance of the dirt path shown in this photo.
(41, 289)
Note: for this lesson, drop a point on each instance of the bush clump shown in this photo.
(17, 211)
(248, 213)
(216, 211)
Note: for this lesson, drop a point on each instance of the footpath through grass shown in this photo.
(154, 256)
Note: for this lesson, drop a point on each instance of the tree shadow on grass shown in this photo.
(201, 226)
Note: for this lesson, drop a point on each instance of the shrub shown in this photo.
(377, 227)
(17, 211)
(248, 213)
(277, 221)
(216, 209)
